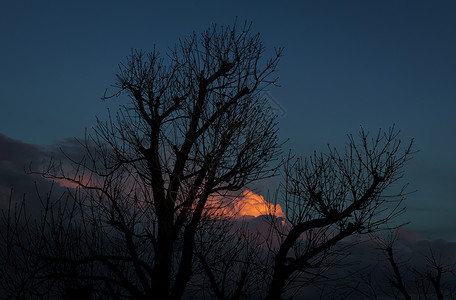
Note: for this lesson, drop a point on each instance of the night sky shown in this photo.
(345, 64)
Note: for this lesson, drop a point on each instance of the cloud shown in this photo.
(16, 158)
(411, 247)
(367, 267)
(250, 204)
(18, 153)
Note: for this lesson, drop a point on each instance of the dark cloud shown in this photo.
(361, 271)
(16, 161)
(364, 273)
(365, 262)
(18, 153)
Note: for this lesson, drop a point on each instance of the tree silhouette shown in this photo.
(436, 280)
(145, 217)
(330, 197)
(195, 131)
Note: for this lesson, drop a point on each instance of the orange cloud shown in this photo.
(252, 204)
(248, 204)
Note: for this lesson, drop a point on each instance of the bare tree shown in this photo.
(330, 197)
(144, 220)
(194, 131)
(435, 280)
(399, 269)
(396, 279)
(230, 258)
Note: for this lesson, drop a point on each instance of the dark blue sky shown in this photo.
(346, 63)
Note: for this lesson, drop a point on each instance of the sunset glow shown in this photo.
(80, 181)
(248, 204)
(253, 205)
